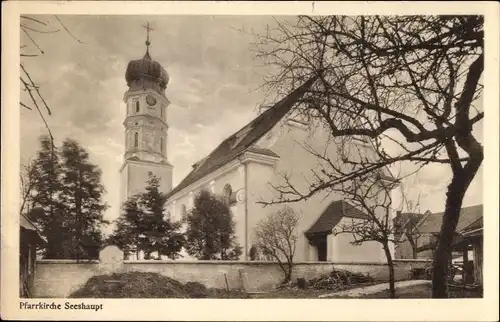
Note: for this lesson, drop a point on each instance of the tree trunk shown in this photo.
(454, 198)
(390, 263)
(413, 247)
(288, 275)
(286, 271)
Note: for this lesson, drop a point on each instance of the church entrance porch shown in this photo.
(320, 234)
(320, 242)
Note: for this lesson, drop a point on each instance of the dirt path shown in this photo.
(357, 292)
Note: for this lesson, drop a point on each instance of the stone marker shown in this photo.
(111, 259)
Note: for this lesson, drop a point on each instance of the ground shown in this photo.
(152, 285)
(424, 292)
(421, 291)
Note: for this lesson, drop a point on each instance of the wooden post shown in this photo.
(478, 262)
(465, 258)
(227, 284)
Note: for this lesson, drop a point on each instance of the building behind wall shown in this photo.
(30, 241)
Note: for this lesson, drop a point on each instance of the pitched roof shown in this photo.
(28, 225)
(241, 141)
(332, 215)
(468, 215)
(407, 220)
(478, 224)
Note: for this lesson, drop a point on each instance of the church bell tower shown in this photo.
(145, 125)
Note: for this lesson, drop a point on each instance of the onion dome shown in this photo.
(146, 69)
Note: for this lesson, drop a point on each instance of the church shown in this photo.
(241, 168)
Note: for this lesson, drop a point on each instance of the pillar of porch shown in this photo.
(478, 261)
(329, 248)
(465, 260)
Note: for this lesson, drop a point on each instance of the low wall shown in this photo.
(56, 278)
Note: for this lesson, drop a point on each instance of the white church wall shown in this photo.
(367, 251)
(235, 177)
(135, 176)
(297, 163)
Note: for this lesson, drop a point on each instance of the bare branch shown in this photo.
(67, 30)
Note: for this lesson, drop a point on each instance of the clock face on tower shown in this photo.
(151, 100)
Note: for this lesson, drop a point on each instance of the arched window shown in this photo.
(137, 106)
(162, 144)
(183, 211)
(226, 193)
(136, 139)
(161, 112)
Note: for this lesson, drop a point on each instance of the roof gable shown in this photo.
(332, 215)
(244, 138)
(468, 215)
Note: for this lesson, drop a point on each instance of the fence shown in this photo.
(59, 278)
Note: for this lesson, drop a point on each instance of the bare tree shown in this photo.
(405, 82)
(372, 196)
(276, 236)
(406, 223)
(30, 27)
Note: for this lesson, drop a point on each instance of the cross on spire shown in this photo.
(148, 29)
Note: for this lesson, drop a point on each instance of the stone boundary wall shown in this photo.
(59, 278)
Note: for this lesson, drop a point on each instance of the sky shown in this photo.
(214, 90)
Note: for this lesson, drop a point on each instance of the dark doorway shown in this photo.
(320, 242)
(321, 246)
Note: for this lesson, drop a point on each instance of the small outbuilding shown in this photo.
(30, 240)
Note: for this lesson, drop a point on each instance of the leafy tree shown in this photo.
(412, 82)
(276, 236)
(66, 200)
(126, 233)
(28, 181)
(210, 229)
(81, 197)
(144, 226)
(46, 208)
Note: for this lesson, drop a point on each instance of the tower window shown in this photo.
(161, 112)
(136, 139)
(162, 144)
(137, 106)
